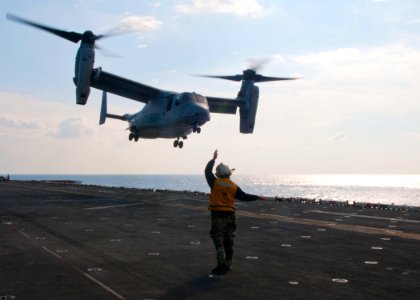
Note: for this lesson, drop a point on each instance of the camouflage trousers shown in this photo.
(223, 233)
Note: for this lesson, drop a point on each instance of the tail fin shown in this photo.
(104, 114)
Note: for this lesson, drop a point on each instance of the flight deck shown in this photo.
(72, 241)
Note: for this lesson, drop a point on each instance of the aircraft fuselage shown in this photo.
(171, 116)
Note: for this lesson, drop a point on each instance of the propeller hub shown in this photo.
(88, 37)
(249, 74)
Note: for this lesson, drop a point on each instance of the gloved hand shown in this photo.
(215, 155)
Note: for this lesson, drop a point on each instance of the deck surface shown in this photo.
(63, 241)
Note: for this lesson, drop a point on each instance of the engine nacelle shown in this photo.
(248, 110)
(85, 59)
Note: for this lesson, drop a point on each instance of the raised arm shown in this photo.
(209, 171)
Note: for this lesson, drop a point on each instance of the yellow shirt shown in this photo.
(222, 197)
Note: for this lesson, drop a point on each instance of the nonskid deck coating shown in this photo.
(86, 242)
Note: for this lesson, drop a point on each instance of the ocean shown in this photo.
(384, 189)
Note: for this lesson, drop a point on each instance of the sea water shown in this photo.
(384, 189)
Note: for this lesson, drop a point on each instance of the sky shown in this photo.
(355, 108)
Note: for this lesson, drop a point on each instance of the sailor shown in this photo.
(223, 221)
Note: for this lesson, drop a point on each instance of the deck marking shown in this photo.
(340, 226)
(91, 278)
(393, 220)
(113, 206)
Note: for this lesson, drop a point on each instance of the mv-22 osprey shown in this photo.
(165, 114)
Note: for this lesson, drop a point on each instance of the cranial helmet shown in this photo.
(223, 171)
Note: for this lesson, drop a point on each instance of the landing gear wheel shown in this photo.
(136, 138)
(130, 136)
(196, 129)
(178, 143)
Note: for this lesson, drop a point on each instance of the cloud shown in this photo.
(278, 58)
(240, 8)
(415, 21)
(25, 118)
(139, 24)
(341, 136)
(15, 123)
(156, 4)
(343, 90)
(414, 135)
(72, 128)
(388, 67)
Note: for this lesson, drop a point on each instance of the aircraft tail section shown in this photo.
(102, 117)
(104, 112)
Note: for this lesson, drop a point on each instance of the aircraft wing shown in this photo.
(123, 87)
(223, 105)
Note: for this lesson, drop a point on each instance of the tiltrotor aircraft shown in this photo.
(165, 114)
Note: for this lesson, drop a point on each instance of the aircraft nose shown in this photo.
(201, 112)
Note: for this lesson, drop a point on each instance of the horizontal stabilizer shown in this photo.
(122, 118)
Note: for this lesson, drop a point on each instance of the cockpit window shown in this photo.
(185, 98)
(200, 99)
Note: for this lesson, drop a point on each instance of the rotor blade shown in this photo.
(68, 35)
(105, 35)
(106, 52)
(261, 78)
(116, 31)
(233, 78)
(257, 64)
